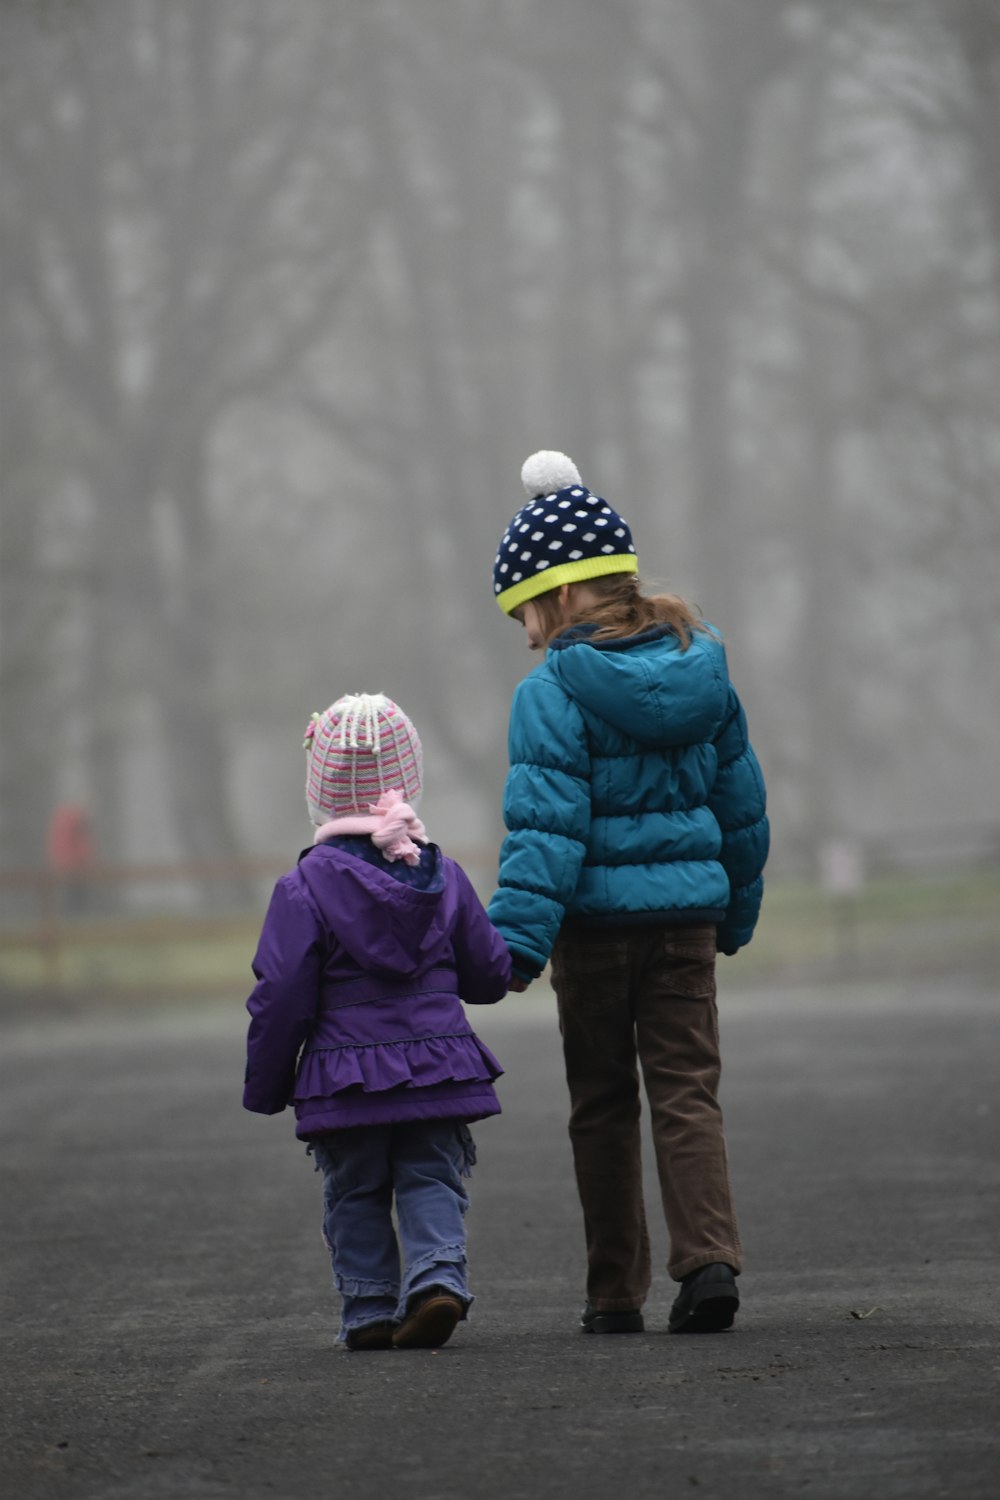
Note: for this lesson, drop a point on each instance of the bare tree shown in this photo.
(293, 289)
(176, 164)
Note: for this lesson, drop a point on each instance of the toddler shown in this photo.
(368, 949)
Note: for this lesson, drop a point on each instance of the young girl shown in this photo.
(368, 949)
(637, 835)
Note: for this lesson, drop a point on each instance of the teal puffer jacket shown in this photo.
(633, 795)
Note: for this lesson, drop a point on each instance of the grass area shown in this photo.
(173, 955)
(909, 919)
(900, 921)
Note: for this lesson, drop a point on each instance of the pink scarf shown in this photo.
(392, 824)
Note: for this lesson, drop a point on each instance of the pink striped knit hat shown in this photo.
(358, 748)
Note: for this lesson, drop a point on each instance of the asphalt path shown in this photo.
(169, 1329)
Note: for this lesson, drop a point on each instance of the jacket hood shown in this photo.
(647, 686)
(386, 925)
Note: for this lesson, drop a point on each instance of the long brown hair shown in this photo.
(623, 610)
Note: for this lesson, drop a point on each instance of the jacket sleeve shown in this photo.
(482, 960)
(739, 802)
(546, 810)
(282, 1006)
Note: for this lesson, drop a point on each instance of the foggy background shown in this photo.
(292, 287)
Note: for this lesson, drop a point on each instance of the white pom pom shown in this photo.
(547, 471)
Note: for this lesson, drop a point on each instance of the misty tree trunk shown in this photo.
(977, 26)
(590, 334)
(31, 719)
(820, 559)
(827, 729)
(153, 638)
(443, 448)
(710, 307)
(122, 587)
(742, 48)
(190, 708)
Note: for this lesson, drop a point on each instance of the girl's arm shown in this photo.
(482, 960)
(547, 813)
(282, 1007)
(739, 803)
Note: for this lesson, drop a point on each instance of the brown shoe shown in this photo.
(371, 1336)
(430, 1320)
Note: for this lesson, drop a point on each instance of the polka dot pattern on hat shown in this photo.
(563, 537)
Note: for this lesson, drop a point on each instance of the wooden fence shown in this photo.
(155, 928)
(192, 928)
(45, 917)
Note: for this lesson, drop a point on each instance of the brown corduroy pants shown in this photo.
(644, 996)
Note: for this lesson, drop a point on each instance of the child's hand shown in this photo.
(517, 986)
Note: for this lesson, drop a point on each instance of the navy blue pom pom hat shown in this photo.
(563, 535)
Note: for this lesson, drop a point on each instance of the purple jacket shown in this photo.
(361, 970)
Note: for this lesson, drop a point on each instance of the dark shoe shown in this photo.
(707, 1301)
(592, 1321)
(430, 1319)
(371, 1336)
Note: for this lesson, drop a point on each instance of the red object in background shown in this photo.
(71, 848)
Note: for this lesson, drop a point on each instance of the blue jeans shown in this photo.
(421, 1163)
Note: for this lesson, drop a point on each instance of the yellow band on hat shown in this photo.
(567, 572)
